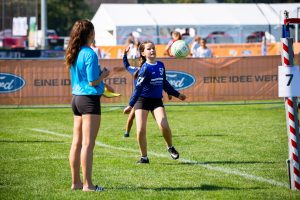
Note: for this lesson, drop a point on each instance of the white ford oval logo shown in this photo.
(180, 80)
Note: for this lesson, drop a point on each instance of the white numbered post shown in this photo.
(288, 84)
(289, 81)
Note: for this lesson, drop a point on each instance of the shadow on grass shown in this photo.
(202, 187)
(211, 135)
(30, 141)
(227, 162)
(199, 135)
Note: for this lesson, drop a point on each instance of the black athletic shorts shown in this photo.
(148, 103)
(87, 104)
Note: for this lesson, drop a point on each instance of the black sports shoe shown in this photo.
(143, 161)
(126, 134)
(173, 153)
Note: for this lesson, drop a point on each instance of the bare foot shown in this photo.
(93, 189)
(78, 186)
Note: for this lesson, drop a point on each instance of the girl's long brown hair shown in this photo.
(79, 36)
(142, 58)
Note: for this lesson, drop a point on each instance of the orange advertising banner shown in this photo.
(47, 82)
(218, 50)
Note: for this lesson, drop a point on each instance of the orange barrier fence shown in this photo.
(39, 82)
(219, 50)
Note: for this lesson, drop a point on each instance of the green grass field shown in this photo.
(227, 152)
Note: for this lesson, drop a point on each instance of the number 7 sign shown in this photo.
(288, 81)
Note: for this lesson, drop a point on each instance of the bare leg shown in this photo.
(74, 157)
(141, 123)
(90, 128)
(162, 122)
(129, 122)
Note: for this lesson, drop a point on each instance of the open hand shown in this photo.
(126, 50)
(105, 72)
(182, 97)
(127, 110)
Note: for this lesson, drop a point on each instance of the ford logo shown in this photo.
(180, 80)
(10, 83)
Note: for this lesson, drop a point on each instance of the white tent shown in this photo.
(170, 17)
(114, 22)
(249, 19)
(292, 8)
(294, 12)
(274, 15)
(237, 20)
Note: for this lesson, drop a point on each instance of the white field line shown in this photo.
(204, 165)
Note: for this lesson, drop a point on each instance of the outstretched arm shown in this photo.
(125, 60)
(130, 69)
(170, 90)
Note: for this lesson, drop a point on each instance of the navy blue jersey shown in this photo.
(151, 82)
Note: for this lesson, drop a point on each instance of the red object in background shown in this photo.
(10, 41)
(255, 37)
(14, 42)
(218, 37)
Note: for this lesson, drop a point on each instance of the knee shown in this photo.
(163, 124)
(88, 144)
(76, 145)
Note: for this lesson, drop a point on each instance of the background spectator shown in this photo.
(203, 51)
(175, 36)
(96, 49)
(134, 49)
(195, 45)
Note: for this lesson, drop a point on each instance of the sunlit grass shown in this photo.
(227, 152)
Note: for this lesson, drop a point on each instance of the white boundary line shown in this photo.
(204, 165)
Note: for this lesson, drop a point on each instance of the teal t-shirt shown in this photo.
(85, 69)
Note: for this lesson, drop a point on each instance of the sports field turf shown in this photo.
(226, 152)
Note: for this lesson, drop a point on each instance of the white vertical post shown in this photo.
(44, 24)
(292, 121)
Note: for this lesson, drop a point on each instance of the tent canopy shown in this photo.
(114, 23)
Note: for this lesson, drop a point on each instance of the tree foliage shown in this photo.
(63, 14)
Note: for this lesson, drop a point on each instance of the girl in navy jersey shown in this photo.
(147, 96)
(134, 72)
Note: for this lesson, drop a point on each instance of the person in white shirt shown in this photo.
(96, 49)
(195, 45)
(203, 51)
(134, 49)
(175, 36)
